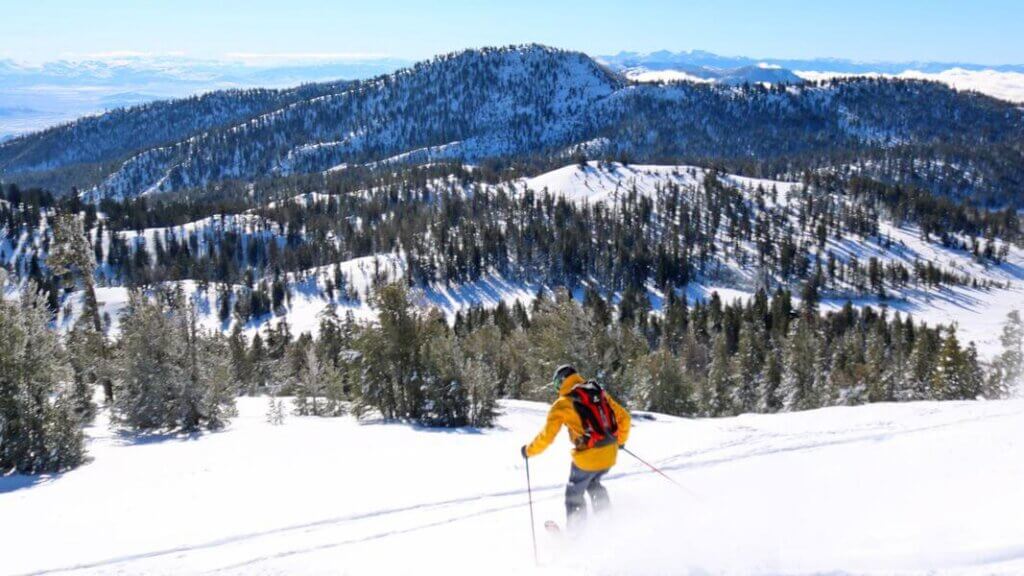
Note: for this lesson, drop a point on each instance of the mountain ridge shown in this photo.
(705, 58)
(520, 101)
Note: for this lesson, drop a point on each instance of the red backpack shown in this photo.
(599, 425)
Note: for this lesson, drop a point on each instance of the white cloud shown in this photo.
(278, 58)
(115, 55)
(1007, 86)
(642, 75)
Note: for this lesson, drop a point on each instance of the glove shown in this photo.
(522, 451)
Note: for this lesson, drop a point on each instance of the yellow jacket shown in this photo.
(563, 412)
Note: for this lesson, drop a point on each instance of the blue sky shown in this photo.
(979, 31)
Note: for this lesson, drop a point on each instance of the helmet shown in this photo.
(561, 373)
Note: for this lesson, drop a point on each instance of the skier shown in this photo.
(598, 427)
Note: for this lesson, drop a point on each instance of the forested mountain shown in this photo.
(79, 152)
(524, 103)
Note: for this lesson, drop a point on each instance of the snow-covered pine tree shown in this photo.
(86, 354)
(772, 400)
(218, 383)
(172, 374)
(191, 387)
(1009, 366)
(921, 363)
(481, 405)
(561, 331)
(878, 373)
(899, 357)
(973, 375)
(149, 369)
(275, 410)
(316, 386)
(412, 368)
(660, 385)
(39, 430)
(747, 368)
(800, 378)
(947, 378)
(71, 254)
(445, 397)
(719, 391)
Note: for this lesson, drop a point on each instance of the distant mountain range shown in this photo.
(147, 70)
(1005, 82)
(36, 96)
(665, 60)
(524, 103)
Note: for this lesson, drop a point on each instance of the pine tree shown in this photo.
(747, 370)
(481, 405)
(445, 397)
(39, 430)
(391, 358)
(954, 376)
(878, 372)
(1009, 366)
(719, 391)
(773, 399)
(275, 411)
(171, 374)
(560, 332)
(149, 368)
(661, 386)
(72, 254)
(413, 368)
(799, 382)
(317, 387)
(85, 354)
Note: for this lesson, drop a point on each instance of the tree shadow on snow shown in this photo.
(418, 427)
(16, 482)
(129, 438)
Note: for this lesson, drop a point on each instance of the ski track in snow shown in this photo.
(327, 544)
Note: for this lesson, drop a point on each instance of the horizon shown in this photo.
(308, 59)
(316, 31)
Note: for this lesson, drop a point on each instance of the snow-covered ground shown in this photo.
(919, 488)
(979, 314)
(609, 181)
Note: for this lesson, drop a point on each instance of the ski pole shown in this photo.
(533, 529)
(662, 474)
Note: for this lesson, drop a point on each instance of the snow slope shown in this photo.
(607, 181)
(915, 488)
(978, 313)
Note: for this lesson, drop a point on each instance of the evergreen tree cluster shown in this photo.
(39, 427)
(409, 366)
(717, 359)
(412, 367)
(171, 374)
(459, 229)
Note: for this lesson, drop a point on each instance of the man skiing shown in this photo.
(598, 427)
